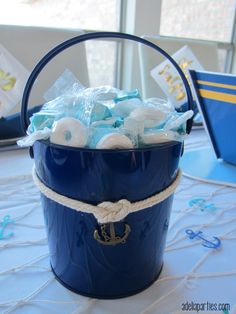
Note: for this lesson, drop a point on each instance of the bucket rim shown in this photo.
(154, 147)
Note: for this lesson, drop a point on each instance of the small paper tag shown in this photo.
(13, 77)
(167, 77)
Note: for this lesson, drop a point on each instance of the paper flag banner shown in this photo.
(168, 78)
(13, 77)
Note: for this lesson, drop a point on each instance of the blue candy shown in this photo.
(124, 95)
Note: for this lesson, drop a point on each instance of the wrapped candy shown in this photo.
(106, 118)
(69, 132)
(115, 141)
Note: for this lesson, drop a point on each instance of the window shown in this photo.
(198, 19)
(211, 20)
(76, 14)
(89, 14)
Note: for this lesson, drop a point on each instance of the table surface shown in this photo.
(194, 276)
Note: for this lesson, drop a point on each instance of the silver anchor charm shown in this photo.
(111, 238)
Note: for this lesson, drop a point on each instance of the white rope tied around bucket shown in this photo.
(106, 212)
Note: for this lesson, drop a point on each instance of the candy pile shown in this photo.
(106, 118)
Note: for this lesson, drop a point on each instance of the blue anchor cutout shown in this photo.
(3, 225)
(202, 204)
(198, 235)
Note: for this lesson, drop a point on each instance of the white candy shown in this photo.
(104, 93)
(134, 126)
(69, 132)
(176, 121)
(125, 107)
(161, 104)
(158, 137)
(114, 140)
(151, 117)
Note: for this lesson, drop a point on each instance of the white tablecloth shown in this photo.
(193, 275)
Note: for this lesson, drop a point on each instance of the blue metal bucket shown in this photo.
(105, 260)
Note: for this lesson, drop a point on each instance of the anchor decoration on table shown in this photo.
(202, 204)
(108, 236)
(198, 235)
(3, 225)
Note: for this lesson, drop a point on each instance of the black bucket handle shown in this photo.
(81, 38)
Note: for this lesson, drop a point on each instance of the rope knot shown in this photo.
(112, 212)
